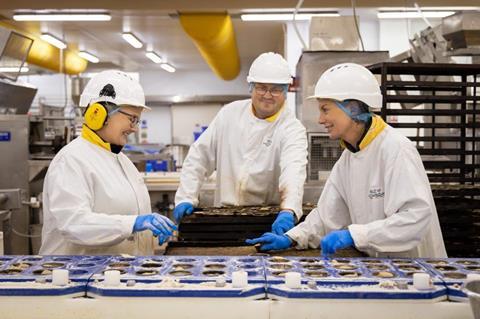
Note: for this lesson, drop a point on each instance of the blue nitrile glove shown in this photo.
(284, 222)
(181, 210)
(271, 241)
(337, 239)
(162, 239)
(158, 224)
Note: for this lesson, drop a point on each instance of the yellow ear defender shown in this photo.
(95, 116)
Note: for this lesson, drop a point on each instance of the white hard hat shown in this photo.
(347, 81)
(269, 67)
(115, 87)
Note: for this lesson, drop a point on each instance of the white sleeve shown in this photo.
(407, 207)
(199, 164)
(70, 200)
(330, 214)
(293, 163)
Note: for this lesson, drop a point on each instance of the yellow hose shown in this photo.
(214, 37)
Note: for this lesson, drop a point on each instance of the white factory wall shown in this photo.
(51, 89)
(185, 117)
(189, 83)
(159, 125)
(394, 33)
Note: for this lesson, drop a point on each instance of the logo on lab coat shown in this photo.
(267, 142)
(376, 193)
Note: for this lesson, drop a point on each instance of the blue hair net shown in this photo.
(356, 110)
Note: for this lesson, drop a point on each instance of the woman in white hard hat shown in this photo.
(377, 197)
(257, 146)
(94, 199)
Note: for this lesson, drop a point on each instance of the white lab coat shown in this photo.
(382, 194)
(91, 199)
(258, 162)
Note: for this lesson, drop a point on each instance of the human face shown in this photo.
(338, 124)
(121, 124)
(266, 104)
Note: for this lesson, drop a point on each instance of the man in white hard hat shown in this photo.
(257, 147)
(377, 197)
(94, 199)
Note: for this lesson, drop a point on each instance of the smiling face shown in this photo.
(338, 124)
(264, 103)
(120, 124)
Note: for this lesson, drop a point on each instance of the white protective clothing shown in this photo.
(91, 199)
(258, 162)
(269, 67)
(127, 91)
(349, 81)
(382, 194)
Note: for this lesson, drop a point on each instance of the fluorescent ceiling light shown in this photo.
(387, 9)
(285, 16)
(154, 57)
(12, 69)
(54, 40)
(132, 40)
(167, 67)
(413, 14)
(61, 16)
(88, 56)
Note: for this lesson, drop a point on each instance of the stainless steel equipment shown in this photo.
(472, 289)
(322, 152)
(462, 30)
(178, 151)
(14, 174)
(14, 48)
(15, 98)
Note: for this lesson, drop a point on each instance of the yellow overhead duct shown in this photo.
(47, 56)
(214, 37)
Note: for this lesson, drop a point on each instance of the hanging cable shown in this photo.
(299, 4)
(356, 24)
(62, 69)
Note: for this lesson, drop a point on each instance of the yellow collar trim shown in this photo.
(93, 138)
(272, 118)
(378, 125)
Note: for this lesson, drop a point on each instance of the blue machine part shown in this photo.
(356, 291)
(27, 268)
(181, 276)
(340, 270)
(5, 136)
(186, 269)
(31, 275)
(186, 290)
(211, 276)
(453, 272)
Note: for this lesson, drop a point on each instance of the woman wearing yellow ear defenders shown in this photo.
(95, 200)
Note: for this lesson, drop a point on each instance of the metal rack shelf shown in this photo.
(440, 113)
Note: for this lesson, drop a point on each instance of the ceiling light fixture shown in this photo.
(285, 16)
(61, 16)
(53, 40)
(413, 14)
(132, 40)
(167, 67)
(154, 57)
(12, 69)
(89, 57)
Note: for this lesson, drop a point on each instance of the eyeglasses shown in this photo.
(274, 91)
(134, 120)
